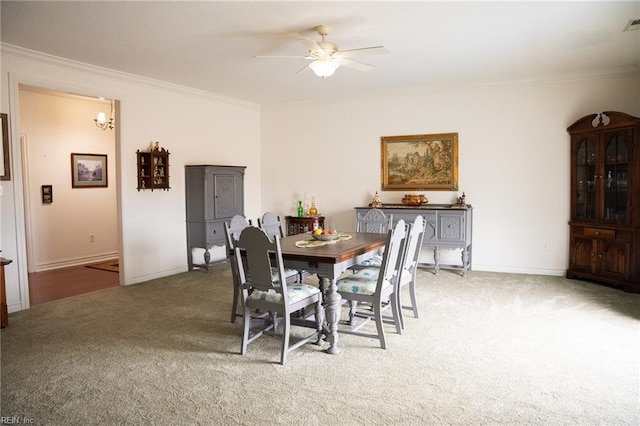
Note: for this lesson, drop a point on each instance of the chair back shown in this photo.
(414, 244)
(392, 253)
(374, 221)
(232, 232)
(253, 253)
(233, 229)
(271, 225)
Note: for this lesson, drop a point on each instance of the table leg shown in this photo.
(334, 304)
(319, 316)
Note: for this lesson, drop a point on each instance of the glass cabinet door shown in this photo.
(615, 176)
(586, 174)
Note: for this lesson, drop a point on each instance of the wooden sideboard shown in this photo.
(446, 227)
(300, 225)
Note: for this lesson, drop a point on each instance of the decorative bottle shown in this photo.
(300, 209)
(305, 205)
(313, 210)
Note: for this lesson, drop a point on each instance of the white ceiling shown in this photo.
(210, 45)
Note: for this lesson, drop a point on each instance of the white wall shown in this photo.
(513, 159)
(196, 127)
(513, 149)
(52, 127)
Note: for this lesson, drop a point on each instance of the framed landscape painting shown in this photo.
(420, 162)
(89, 170)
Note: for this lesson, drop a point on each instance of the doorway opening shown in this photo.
(67, 226)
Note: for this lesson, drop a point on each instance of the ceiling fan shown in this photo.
(326, 57)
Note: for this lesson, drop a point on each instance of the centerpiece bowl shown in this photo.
(414, 199)
(325, 237)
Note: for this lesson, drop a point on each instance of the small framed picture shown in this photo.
(47, 194)
(89, 170)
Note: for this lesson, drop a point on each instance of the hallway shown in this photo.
(60, 283)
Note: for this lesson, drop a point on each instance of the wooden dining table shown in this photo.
(329, 261)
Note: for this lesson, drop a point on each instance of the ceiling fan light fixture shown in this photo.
(324, 68)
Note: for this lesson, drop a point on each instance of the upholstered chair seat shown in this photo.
(295, 293)
(375, 261)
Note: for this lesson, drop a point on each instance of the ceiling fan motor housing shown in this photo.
(328, 48)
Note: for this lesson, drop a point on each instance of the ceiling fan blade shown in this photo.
(373, 50)
(360, 66)
(283, 56)
(303, 69)
(311, 45)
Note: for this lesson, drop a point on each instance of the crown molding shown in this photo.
(630, 71)
(32, 55)
(35, 56)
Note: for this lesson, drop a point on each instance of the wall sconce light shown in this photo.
(102, 122)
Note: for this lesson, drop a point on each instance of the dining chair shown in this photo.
(232, 230)
(408, 269)
(374, 221)
(376, 288)
(262, 291)
(272, 226)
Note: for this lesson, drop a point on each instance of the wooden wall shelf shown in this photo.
(153, 169)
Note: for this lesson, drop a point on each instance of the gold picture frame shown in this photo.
(420, 162)
(89, 171)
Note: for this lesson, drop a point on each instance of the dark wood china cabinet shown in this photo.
(604, 241)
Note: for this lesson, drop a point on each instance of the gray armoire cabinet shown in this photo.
(214, 194)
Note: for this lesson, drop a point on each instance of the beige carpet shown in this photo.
(113, 266)
(496, 349)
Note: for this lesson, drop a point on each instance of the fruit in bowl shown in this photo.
(324, 234)
(414, 199)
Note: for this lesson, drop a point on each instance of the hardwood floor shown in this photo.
(60, 283)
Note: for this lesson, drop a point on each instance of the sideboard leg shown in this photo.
(436, 259)
(465, 261)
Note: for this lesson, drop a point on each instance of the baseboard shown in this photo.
(78, 261)
(147, 277)
(529, 271)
